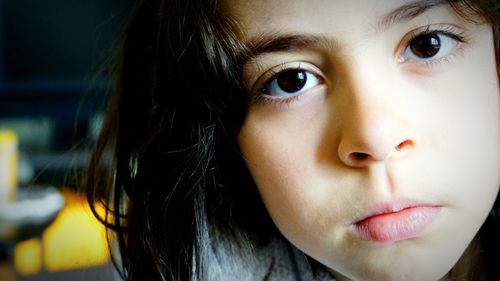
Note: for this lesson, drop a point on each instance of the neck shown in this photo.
(470, 265)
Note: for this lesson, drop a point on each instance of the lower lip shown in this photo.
(401, 225)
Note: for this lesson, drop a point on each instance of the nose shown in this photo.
(374, 131)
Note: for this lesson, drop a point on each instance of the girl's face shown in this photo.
(373, 134)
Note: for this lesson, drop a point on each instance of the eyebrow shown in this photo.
(276, 42)
(407, 12)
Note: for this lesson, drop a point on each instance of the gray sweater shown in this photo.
(294, 266)
(276, 261)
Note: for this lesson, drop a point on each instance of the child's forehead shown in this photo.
(286, 16)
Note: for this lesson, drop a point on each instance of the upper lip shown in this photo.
(392, 207)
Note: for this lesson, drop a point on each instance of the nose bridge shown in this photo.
(374, 127)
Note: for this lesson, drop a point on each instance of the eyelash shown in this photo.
(445, 30)
(262, 98)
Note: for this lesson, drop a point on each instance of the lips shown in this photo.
(395, 221)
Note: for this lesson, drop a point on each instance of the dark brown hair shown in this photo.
(166, 164)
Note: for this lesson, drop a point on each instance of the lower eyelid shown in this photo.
(457, 50)
(272, 72)
(450, 30)
(318, 80)
(449, 58)
(280, 103)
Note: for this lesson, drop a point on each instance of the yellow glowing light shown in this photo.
(76, 239)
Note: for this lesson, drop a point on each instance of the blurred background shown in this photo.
(51, 104)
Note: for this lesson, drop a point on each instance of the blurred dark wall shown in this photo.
(49, 53)
(51, 48)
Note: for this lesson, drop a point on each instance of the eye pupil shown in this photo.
(292, 80)
(426, 46)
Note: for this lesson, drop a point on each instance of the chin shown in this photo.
(405, 265)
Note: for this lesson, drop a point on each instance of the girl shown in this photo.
(304, 140)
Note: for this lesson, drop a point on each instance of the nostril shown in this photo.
(359, 156)
(404, 145)
(366, 154)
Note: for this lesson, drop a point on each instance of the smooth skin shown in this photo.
(374, 123)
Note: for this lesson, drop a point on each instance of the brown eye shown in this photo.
(426, 46)
(292, 80)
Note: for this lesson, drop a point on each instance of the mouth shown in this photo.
(396, 221)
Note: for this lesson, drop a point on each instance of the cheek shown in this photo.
(470, 127)
(280, 151)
